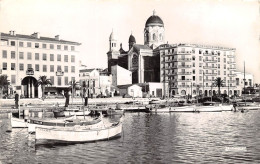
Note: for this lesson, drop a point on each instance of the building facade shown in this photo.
(187, 69)
(97, 82)
(24, 58)
(191, 69)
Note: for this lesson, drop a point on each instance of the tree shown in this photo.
(218, 83)
(43, 81)
(4, 82)
(74, 85)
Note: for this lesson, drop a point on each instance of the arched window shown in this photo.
(154, 37)
(194, 92)
(161, 37)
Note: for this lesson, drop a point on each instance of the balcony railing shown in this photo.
(182, 59)
(209, 67)
(182, 66)
(30, 71)
(181, 80)
(210, 74)
(182, 73)
(231, 62)
(230, 56)
(210, 61)
(231, 75)
(233, 68)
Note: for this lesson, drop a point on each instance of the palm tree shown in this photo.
(42, 81)
(218, 83)
(4, 82)
(73, 85)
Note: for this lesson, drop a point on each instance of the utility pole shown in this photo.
(203, 83)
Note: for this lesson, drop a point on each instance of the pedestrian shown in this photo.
(67, 96)
(16, 99)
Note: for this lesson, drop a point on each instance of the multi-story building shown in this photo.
(191, 69)
(24, 58)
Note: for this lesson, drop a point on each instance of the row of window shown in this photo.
(45, 57)
(59, 80)
(37, 67)
(193, 58)
(44, 45)
(183, 50)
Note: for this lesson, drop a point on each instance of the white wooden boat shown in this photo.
(247, 106)
(209, 107)
(33, 123)
(77, 133)
(68, 113)
(226, 107)
(18, 123)
(183, 109)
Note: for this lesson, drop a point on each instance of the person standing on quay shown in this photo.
(16, 99)
(67, 96)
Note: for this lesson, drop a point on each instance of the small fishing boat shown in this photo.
(78, 133)
(69, 122)
(190, 108)
(18, 123)
(246, 106)
(226, 107)
(209, 107)
(70, 112)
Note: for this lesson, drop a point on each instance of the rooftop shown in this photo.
(34, 37)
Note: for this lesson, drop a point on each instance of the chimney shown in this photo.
(14, 33)
(36, 35)
(57, 37)
(10, 32)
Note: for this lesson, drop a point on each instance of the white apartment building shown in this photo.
(24, 58)
(191, 69)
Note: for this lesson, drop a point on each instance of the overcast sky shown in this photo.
(229, 23)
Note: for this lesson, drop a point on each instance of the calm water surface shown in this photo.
(223, 137)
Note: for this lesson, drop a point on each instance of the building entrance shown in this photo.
(29, 87)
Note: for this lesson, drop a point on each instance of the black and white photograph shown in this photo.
(129, 81)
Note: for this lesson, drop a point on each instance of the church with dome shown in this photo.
(174, 69)
(141, 59)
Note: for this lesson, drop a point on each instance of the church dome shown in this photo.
(154, 20)
(131, 39)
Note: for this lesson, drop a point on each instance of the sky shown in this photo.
(227, 23)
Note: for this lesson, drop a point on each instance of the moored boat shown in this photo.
(246, 106)
(183, 109)
(67, 113)
(33, 123)
(18, 123)
(78, 133)
(209, 107)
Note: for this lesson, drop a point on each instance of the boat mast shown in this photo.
(244, 83)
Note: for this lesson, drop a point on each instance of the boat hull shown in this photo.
(208, 109)
(77, 134)
(62, 123)
(18, 123)
(183, 109)
(227, 107)
(70, 113)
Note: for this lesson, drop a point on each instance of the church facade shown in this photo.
(140, 59)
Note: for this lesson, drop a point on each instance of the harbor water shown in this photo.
(217, 137)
